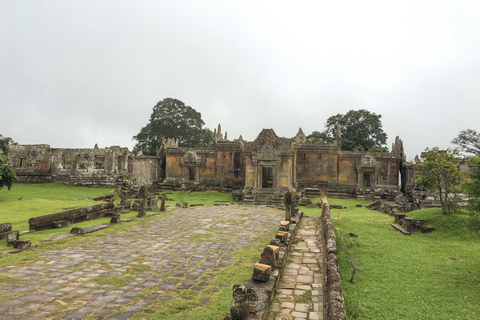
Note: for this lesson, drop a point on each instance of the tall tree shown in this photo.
(468, 141)
(439, 171)
(471, 186)
(171, 118)
(361, 130)
(7, 175)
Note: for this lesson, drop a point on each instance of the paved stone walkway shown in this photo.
(134, 268)
(300, 293)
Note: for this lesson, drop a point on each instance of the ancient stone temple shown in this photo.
(261, 171)
(266, 168)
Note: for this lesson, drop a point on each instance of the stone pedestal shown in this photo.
(261, 272)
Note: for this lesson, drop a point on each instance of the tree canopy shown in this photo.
(361, 130)
(439, 171)
(471, 186)
(468, 141)
(171, 118)
(7, 175)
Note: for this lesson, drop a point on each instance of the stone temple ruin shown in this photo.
(257, 172)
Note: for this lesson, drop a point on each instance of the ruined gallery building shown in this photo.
(261, 171)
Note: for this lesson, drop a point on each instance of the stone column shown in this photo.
(162, 202)
(288, 206)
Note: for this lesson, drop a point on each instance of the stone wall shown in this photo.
(31, 162)
(145, 170)
(334, 295)
(86, 167)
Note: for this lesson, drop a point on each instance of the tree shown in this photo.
(471, 186)
(317, 136)
(468, 141)
(360, 130)
(439, 171)
(171, 118)
(7, 175)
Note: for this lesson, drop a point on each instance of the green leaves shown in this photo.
(468, 141)
(171, 118)
(7, 175)
(361, 130)
(439, 171)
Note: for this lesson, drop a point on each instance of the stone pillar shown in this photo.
(142, 196)
(162, 202)
(288, 205)
(141, 211)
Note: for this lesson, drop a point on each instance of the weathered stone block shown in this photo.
(261, 272)
(282, 236)
(275, 242)
(115, 218)
(268, 257)
(61, 224)
(276, 250)
(5, 228)
(22, 244)
(12, 236)
(239, 309)
(77, 230)
(285, 223)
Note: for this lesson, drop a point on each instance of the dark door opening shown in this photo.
(237, 165)
(163, 168)
(403, 176)
(191, 173)
(267, 177)
(367, 180)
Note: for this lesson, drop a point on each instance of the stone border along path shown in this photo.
(300, 294)
(166, 257)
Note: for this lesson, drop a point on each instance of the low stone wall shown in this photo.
(334, 296)
(64, 218)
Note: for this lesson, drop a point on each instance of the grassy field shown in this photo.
(422, 276)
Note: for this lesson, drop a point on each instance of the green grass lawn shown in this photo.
(25, 201)
(422, 276)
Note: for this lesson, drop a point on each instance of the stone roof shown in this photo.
(267, 140)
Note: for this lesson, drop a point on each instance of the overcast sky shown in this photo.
(76, 73)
